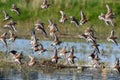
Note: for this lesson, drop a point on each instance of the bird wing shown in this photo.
(109, 10)
(112, 33)
(82, 15)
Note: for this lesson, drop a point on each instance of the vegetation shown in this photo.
(31, 12)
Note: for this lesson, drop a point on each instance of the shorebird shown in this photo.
(34, 40)
(63, 17)
(63, 52)
(32, 61)
(16, 56)
(12, 36)
(6, 16)
(91, 39)
(45, 4)
(71, 56)
(108, 17)
(55, 56)
(74, 20)
(39, 48)
(55, 41)
(3, 39)
(15, 9)
(95, 61)
(92, 55)
(95, 46)
(11, 25)
(83, 36)
(83, 18)
(117, 66)
(52, 28)
(112, 38)
(40, 27)
(89, 31)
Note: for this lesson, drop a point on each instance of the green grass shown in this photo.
(31, 12)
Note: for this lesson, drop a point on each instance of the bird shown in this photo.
(40, 27)
(92, 55)
(45, 4)
(74, 20)
(96, 61)
(11, 25)
(108, 17)
(63, 52)
(15, 9)
(52, 28)
(71, 56)
(83, 18)
(63, 17)
(16, 56)
(56, 41)
(34, 40)
(117, 66)
(32, 61)
(3, 39)
(6, 16)
(83, 36)
(95, 46)
(89, 31)
(55, 56)
(112, 38)
(41, 49)
(12, 36)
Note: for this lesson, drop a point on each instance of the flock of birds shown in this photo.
(88, 35)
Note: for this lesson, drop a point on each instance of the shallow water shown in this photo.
(82, 50)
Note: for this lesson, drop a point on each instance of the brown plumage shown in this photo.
(55, 41)
(3, 39)
(15, 9)
(63, 17)
(83, 18)
(45, 4)
(55, 56)
(32, 61)
(117, 66)
(11, 25)
(12, 36)
(112, 38)
(71, 56)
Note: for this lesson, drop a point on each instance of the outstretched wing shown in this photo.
(112, 33)
(82, 15)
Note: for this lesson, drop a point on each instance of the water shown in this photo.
(82, 50)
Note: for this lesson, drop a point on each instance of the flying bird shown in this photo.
(6, 16)
(63, 17)
(83, 18)
(15, 9)
(112, 38)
